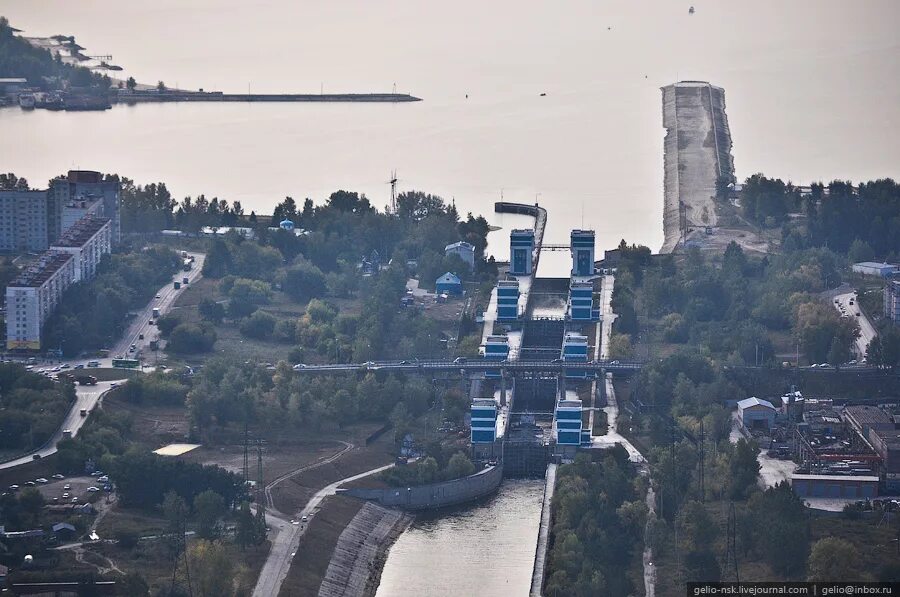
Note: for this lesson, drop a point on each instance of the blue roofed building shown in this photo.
(575, 350)
(582, 306)
(521, 252)
(449, 283)
(496, 348)
(567, 421)
(582, 246)
(484, 421)
(507, 300)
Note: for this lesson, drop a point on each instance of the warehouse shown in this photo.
(835, 486)
(754, 413)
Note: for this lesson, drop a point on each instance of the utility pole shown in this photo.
(702, 463)
(731, 544)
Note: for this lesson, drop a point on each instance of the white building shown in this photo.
(32, 297)
(463, 250)
(754, 413)
(871, 268)
(23, 220)
(88, 240)
(78, 186)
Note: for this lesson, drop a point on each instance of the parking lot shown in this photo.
(54, 489)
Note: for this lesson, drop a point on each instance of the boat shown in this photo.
(691, 10)
(26, 101)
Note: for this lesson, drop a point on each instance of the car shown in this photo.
(304, 518)
(404, 362)
(114, 385)
(79, 366)
(140, 336)
(93, 489)
(36, 457)
(54, 499)
(65, 496)
(857, 313)
(30, 483)
(65, 366)
(457, 360)
(42, 480)
(67, 486)
(75, 499)
(58, 476)
(93, 364)
(614, 363)
(158, 296)
(151, 322)
(57, 369)
(14, 488)
(107, 488)
(103, 479)
(299, 366)
(132, 348)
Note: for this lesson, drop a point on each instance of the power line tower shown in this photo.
(246, 457)
(393, 183)
(701, 477)
(260, 487)
(731, 560)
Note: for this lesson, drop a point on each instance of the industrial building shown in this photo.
(23, 221)
(521, 252)
(88, 240)
(581, 305)
(465, 251)
(871, 268)
(484, 421)
(496, 348)
(892, 301)
(12, 86)
(754, 413)
(507, 300)
(449, 283)
(567, 423)
(32, 297)
(574, 350)
(835, 486)
(582, 245)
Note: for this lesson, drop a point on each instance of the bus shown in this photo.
(126, 363)
(188, 264)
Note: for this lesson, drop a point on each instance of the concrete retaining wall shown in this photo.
(360, 546)
(435, 495)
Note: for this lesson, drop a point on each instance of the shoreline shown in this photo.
(380, 559)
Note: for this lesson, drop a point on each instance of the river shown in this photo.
(811, 85)
(486, 549)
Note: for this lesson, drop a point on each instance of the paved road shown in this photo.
(866, 329)
(89, 396)
(287, 538)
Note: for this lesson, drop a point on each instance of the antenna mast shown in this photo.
(393, 183)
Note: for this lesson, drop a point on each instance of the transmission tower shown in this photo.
(702, 464)
(393, 183)
(731, 560)
(260, 488)
(246, 456)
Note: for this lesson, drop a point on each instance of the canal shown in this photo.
(485, 549)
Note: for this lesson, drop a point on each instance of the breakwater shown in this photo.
(696, 154)
(218, 96)
(435, 495)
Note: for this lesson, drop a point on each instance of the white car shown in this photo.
(41, 480)
(67, 486)
(65, 496)
(103, 479)
(59, 476)
(93, 489)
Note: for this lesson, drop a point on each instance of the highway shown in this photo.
(87, 397)
(866, 329)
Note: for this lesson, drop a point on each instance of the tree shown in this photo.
(303, 281)
(209, 507)
(160, 87)
(743, 469)
(427, 471)
(189, 338)
(246, 530)
(211, 310)
(860, 251)
(175, 510)
(834, 559)
(260, 325)
(620, 346)
(31, 502)
(212, 570)
(131, 84)
(459, 466)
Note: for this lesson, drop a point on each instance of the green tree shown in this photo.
(459, 466)
(303, 281)
(160, 87)
(130, 83)
(860, 251)
(260, 325)
(212, 570)
(743, 469)
(209, 507)
(834, 559)
(211, 310)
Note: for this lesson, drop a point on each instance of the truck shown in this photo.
(67, 434)
(177, 285)
(86, 380)
(156, 312)
(184, 254)
(154, 344)
(185, 280)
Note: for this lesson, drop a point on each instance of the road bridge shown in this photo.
(555, 366)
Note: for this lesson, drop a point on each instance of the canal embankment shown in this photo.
(543, 544)
(696, 154)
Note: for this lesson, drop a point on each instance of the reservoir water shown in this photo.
(811, 87)
(487, 549)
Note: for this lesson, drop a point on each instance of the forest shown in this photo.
(33, 407)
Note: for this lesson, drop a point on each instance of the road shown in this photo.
(473, 365)
(287, 538)
(866, 329)
(87, 397)
(771, 470)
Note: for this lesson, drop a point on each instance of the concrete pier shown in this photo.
(697, 152)
(542, 551)
(218, 96)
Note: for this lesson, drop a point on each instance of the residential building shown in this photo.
(582, 245)
(78, 186)
(521, 252)
(507, 300)
(871, 268)
(892, 301)
(754, 413)
(75, 210)
(464, 251)
(567, 421)
(23, 220)
(88, 240)
(449, 283)
(484, 421)
(32, 297)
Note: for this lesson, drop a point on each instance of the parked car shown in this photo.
(41, 480)
(67, 486)
(93, 489)
(58, 476)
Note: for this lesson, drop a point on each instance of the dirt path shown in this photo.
(270, 502)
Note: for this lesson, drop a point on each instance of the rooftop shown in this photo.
(845, 478)
(81, 232)
(11, 80)
(875, 264)
(868, 415)
(569, 404)
(484, 403)
(497, 339)
(36, 275)
(461, 244)
(748, 402)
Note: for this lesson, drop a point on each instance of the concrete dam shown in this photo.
(697, 153)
